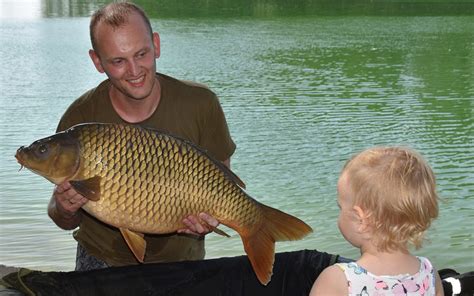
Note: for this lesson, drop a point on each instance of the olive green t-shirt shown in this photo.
(188, 110)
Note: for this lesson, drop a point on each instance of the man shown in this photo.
(125, 48)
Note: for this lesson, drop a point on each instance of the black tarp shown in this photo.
(293, 274)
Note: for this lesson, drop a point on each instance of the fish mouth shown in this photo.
(19, 156)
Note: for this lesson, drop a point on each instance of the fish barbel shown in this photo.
(146, 181)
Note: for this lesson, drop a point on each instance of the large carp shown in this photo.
(146, 181)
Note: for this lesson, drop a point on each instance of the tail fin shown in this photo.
(259, 243)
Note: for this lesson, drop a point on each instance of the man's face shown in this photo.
(127, 55)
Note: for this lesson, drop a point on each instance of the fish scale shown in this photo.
(146, 181)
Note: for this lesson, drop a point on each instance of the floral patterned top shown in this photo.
(361, 282)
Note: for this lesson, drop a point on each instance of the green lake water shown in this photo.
(303, 86)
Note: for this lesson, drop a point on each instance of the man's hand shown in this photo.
(201, 225)
(68, 201)
(64, 205)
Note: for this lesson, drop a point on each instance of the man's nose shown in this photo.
(133, 67)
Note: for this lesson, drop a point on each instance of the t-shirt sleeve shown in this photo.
(215, 135)
(74, 114)
(68, 119)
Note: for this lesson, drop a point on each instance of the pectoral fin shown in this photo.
(135, 242)
(89, 188)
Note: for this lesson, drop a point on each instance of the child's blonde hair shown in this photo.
(397, 188)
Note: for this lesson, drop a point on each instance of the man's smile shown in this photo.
(137, 82)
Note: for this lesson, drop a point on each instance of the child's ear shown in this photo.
(362, 216)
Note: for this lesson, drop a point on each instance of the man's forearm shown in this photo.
(63, 219)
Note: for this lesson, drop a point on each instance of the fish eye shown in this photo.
(42, 149)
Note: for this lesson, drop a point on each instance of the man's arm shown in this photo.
(227, 163)
(63, 208)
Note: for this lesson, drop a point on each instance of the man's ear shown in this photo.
(363, 221)
(156, 44)
(96, 60)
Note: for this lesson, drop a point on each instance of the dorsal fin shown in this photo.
(230, 173)
(89, 188)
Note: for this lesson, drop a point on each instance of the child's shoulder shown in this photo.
(425, 263)
(351, 265)
(331, 281)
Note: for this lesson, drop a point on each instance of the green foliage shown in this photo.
(269, 8)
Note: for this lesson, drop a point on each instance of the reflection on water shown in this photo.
(301, 95)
